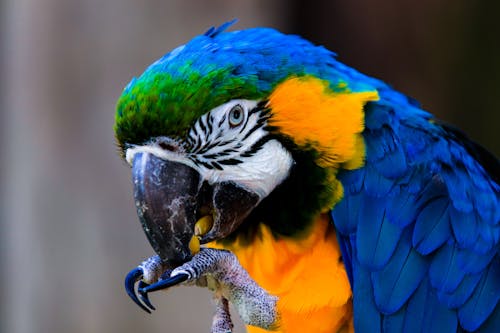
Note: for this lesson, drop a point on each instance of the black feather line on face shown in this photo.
(209, 123)
(230, 161)
(191, 141)
(256, 146)
(245, 124)
(252, 130)
(202, 126)
(223, 119)
(206, 148)
(206, 165)
(197, 139)
(217, 165)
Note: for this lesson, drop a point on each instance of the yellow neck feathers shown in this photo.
(330, 122)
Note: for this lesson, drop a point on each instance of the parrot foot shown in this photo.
(220, 272)
(221, 322)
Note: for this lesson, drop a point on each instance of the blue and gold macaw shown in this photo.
(324, 200)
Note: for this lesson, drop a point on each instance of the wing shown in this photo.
(419, 226)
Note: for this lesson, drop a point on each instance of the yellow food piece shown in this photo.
(203, 225)
(194, 245)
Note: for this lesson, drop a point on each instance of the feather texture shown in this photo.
(444, 272)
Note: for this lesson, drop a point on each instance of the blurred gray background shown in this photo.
(68, 227)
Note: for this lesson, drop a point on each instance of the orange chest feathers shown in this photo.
(307, 275)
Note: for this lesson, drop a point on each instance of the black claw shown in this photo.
(130, 280)
(162, 284)
(144, 297)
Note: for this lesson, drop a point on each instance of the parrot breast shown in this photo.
(307, 275)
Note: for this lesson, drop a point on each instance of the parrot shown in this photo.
(309, 196)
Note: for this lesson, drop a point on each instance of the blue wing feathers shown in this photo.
(397, 281)
(375, 184)
(421, 226)
(401, 208)
(424, 314)
(432, 226)
(438, 317)
(415, 310)
(464, 227)
(492, 323)
(376, 236)
(385, 153)
(484, 299)
(348, 211)
(459, 190)
(371, 318)
(396, 322)
(473, 262)
(377, 119)
(461, 294)
(353, 181)
(445, 273)
(346, 254)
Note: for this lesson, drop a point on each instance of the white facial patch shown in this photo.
(261, 172)
(229, 143)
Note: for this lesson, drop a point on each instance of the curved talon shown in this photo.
(162, 284)
(130, 280)
(144, 297)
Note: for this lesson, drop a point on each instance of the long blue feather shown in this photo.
(395, 322)
(377, 237)
(445, 273)
(483, 301)
(491, 324)
(432, 227)
(369, 318)
(347, 211)
(425, 314)
(465, 227)
(397, 281)
(462, 293)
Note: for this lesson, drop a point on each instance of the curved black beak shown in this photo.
(170, 197)
(166, 195)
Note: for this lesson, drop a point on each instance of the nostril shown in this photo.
(167, 146)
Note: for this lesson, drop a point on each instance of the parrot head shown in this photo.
(229, 129)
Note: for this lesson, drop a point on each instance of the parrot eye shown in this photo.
(236, 115)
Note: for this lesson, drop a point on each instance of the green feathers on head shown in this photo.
(161, 104)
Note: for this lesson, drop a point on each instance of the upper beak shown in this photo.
(166, 200)
(171, 196)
